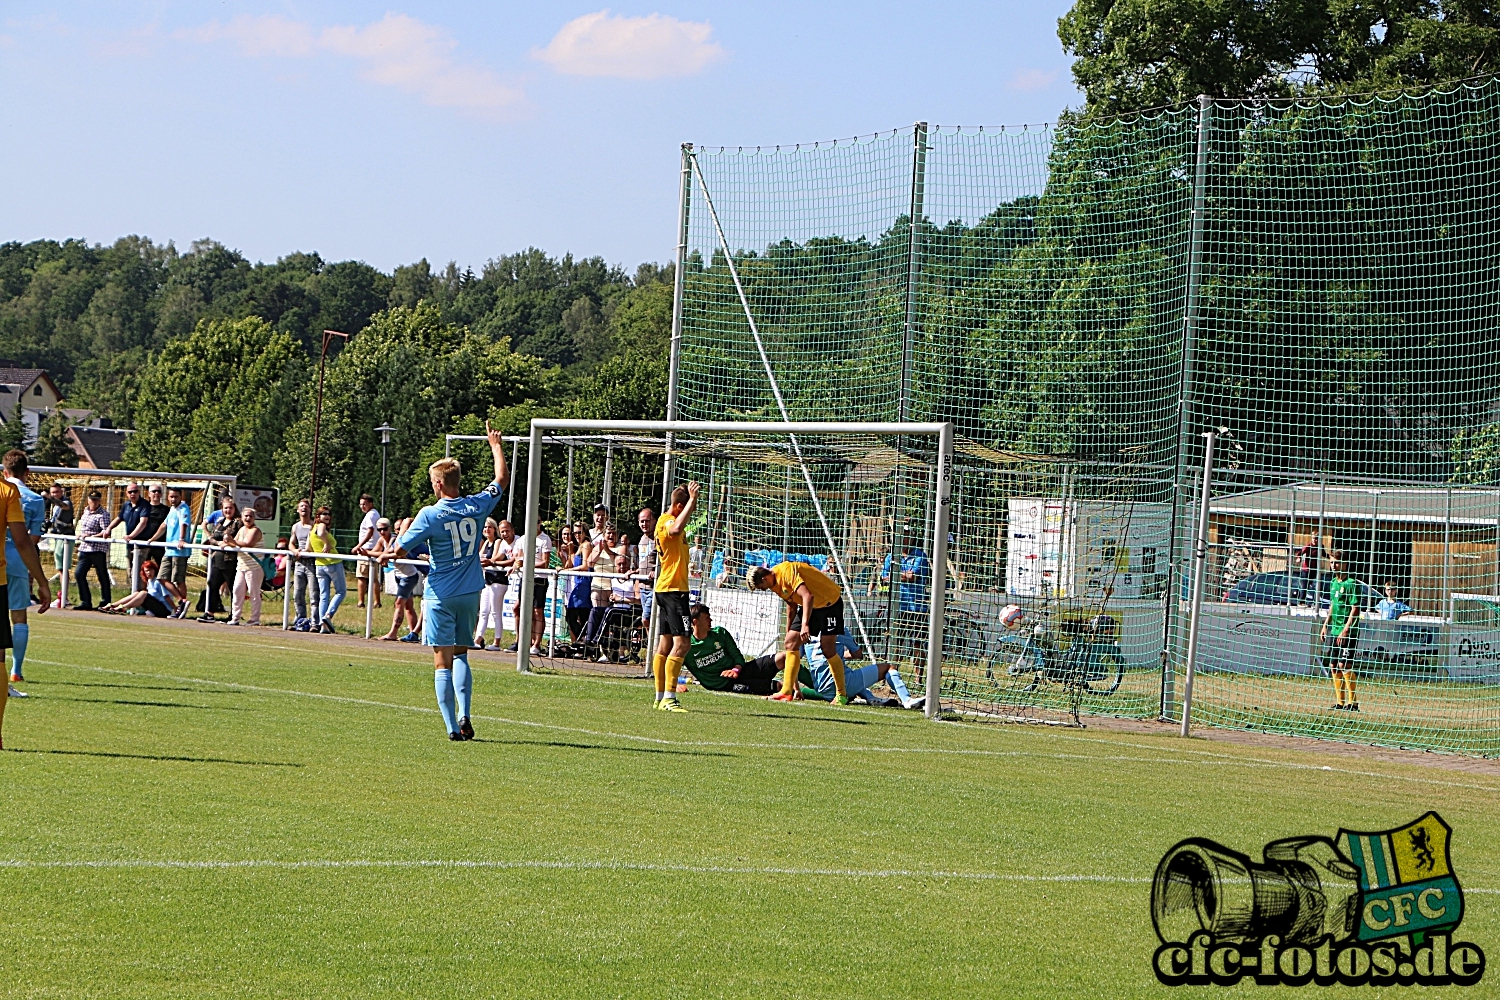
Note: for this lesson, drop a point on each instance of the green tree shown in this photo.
(416, 371)
(52, 446)
(219, 401)
(13, 431)
(1134, 54)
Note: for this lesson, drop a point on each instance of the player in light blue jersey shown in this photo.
(451, 530)
(34, 508)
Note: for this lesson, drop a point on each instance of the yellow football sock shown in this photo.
(836, 663)
(659, 672)
(789, 678)
(673, 671)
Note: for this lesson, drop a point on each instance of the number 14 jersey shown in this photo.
(453, 530)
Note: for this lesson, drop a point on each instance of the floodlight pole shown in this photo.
(312, 479)
(1200, 568)
(385, 442)
(942, 510)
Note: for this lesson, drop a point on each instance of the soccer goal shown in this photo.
(811, 492)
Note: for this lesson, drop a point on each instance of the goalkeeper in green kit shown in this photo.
(715, 659)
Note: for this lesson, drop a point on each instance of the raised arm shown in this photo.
(497, 449)
(680, 522)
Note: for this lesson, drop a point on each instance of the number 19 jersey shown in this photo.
(452, 530)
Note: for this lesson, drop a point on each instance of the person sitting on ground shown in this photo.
(1391, 608)
(157, 599)
(857, 679)
(714, 658)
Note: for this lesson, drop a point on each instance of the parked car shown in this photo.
(1272, 588)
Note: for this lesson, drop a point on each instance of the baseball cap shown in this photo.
(603, 507)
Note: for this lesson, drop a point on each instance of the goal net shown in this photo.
(1313, 280)
(813, 493)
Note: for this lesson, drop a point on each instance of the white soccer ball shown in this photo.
(1012, 616)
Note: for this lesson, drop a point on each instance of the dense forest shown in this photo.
(211, 358)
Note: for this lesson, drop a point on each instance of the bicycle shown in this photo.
(1091, 665)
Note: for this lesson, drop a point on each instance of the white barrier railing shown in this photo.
(72, 542)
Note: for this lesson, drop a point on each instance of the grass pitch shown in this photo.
(200, 811)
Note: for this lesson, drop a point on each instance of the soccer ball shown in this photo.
(1011, 616)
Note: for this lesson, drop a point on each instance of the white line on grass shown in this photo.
(621, 866)
(1202, 757)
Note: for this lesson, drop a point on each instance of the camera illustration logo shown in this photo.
(1378, 908)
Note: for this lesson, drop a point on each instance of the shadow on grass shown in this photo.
(131, 687)
(809, 718)
(164, 757)
(152, 704)
(599, 746)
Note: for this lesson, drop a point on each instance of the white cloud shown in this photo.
(1033, 79)
(631, 48)
(396, 51)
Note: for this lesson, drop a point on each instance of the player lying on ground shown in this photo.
(450, 606)
(857, 680)
(714, 658)
(672, 596)
(815, 605)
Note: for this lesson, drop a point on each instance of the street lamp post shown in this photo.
(312, 479)
(385, 440)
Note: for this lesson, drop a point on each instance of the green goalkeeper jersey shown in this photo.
(1343, 598)
(709, 658)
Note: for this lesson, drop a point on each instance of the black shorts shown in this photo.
(825, 621)
(154, 607)
(1342, 653)
(674, 612)
(756, 676)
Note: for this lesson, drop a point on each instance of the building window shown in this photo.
(37, 391)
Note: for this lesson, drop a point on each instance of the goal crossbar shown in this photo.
(941, 432)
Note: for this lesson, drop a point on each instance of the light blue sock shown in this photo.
(442, 681)
(463, 683)
(897, 684)
(19, 636)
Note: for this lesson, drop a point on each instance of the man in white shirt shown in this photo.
(539, 587)
(368, 533)
(646, 558)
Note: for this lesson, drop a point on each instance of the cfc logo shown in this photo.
(1377, 908)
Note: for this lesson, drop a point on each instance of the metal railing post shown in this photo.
(1200, 566)
(941, 512)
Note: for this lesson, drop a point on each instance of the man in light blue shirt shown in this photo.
(176, 531)
(451, 529)
(34, 510)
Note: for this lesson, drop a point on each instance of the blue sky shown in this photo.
(463, 130)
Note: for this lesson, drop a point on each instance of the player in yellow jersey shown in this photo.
(14, 521)
(671, 596)
(815, 605)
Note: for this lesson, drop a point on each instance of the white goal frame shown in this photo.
(942, 502)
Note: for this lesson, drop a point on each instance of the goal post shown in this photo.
(712, 437)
